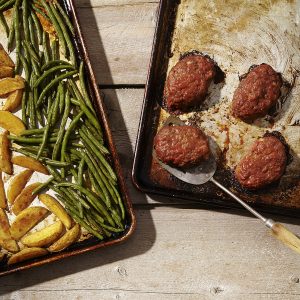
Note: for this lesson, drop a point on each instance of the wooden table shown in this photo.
(179, 251)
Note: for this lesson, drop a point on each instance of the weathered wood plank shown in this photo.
(175, 253)
(97, 3)
(126, 34)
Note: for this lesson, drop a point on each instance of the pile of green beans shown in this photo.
(63, 131)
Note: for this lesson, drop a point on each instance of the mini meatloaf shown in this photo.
(181, 146)
(263, 165)
(256, 93)
(187, 84)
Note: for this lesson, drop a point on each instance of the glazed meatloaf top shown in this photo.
(181, 146)
(188, 82)
(256, 93)
(263, 165)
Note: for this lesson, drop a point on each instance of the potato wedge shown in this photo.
(2, 193)
(11, 123)
(6, 72)
(13, 100)
(25, 198)
(26, 220)
(29, 163)
(5, 59)
(17, 184)
(8, 85)
(56, 208)
(26, 254)
(44, 237)
(5, 160)
(6, 240)
(67, 239)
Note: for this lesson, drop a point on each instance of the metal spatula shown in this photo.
(205, 172)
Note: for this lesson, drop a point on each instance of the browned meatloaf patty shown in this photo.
(256, 93)
(264, 164)
(188, 82)
(181, 146)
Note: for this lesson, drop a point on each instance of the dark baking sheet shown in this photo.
(91, 243)
(149, 177)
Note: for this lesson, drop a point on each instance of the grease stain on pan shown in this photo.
(238, 34)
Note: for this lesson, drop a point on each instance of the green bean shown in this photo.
(33, 37)
(62, 99)
(11, 36)
(52, 83)
(42, 186)
(45, 139)
(92, 149)
(62, 127)
(26, 67)
(87, 112)
(97, 134)
(52, 63)
(38, 10)
(45, 41)
(65, 33)
(91, 164)
(55, 50)
(92, 198)
(103, 161)
(55, 113)
(68, 132)
(56, 26)
(4, 24)
(79, 96)
(25, 20)
(83, 86)
(17, 34)
(38, 27)
(27, 140)
(85, 225)
(31, 51)
(24, 103)
(50, 71)
(95, 184)
(33, 131)
(80, 171)
(54, 173)
(7, 5)
(98, 143)
(66, 18)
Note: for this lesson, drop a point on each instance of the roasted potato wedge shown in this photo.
(29, 163)
(56, 208)
(5, 160)
(17, 184)
(25, 198)
(11, 123)
(6, 72)
(8, 85)
(2, 193)
(44, 237)
(13, 100)
(6, 240)
(25, 254)
(66, 240)
(26, 220)
(5, 60)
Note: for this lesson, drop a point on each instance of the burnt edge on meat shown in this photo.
(220, 77)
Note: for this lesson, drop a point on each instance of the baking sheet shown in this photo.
(86, 242)
(237, 35)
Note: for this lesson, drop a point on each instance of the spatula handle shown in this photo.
(286, 237)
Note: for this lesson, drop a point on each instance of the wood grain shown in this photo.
(119, 40)
(178, 253)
